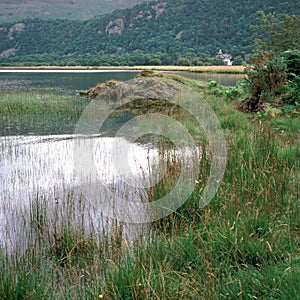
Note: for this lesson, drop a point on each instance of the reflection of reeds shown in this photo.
(172, 161)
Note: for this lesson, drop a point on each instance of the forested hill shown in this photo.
(167, 32)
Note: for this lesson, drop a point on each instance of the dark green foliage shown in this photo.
(274, 73)
(238, 60)
(163, 30)
(292, 60)
(280, 32)
(183, 61)
(155, 62)
(266, 79)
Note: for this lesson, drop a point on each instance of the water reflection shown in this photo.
(37, 173)
(41, 167)
(32, 165)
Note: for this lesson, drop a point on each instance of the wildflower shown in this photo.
(101, 296)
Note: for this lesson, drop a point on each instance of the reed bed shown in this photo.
(39, 112)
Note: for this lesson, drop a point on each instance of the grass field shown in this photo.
(243, 245)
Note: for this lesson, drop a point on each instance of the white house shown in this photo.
(226, 57)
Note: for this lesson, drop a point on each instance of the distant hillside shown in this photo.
(161, 32)
(16, 10)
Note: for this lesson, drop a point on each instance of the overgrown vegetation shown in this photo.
(273, 77)
(243, 245)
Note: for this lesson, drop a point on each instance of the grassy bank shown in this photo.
(243, 245)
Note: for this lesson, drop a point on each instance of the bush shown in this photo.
(266, 79)
(293, 94)
(238, 61)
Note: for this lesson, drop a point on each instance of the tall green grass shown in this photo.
(243, 245)
(39, 112)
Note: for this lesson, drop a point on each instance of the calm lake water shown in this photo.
(73, 80)
(76, 80)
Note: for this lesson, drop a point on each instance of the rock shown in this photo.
(98, 89)
(147, 93)
(146, 85)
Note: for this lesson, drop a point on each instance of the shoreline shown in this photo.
(196, 69)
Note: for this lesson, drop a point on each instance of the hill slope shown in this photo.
(152, 32)
(13, 10)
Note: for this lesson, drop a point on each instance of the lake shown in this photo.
(76, 80)
(73, 80)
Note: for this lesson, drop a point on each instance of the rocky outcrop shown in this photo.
(15, 29)
(115, 27)
(8, 52)
(99, 89)
(148, 92)
(146, 85)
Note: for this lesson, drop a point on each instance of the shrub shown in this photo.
(266, 79)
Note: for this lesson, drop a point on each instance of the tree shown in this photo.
(281, 32)
(271, 75)
(155, 62)
(183, 61)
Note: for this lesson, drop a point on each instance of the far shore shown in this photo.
(213, 69)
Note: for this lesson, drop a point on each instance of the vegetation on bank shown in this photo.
(243, 245)
(273, 78)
